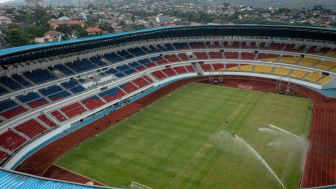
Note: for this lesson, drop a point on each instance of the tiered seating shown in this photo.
(289, 47)
(125, 54)
(39, 76)
(252, 45)
(281, 71)
(246, 68)
(73, 110)
(97, 61)
(183, 57)
(331, 53)
(71, 85)
(31, 128)
(218, 66)
(7, 104)
(216, 55)
(51, 90)
(77, 89)
(201, 55)
(81, 66)
(213, 45)
(166, 47)
(298, 74)
(3, 155)
(111, 94)
(263, 69)
(159, 60)
(93, 102)
(3, 90)
(181, 46)
(325, 80)
(113, 57)
(11, 141)
(159, 75)
(172, 58)
(265, 56)
(276, 46)
(66, 71)
(180, 69)
(313, 77)
(10, 83)
(20, 80)
(149, 80)
(232, 67)
(8, 114)
(301, 48)
(38, 102)
(151, 49)
(309, 62)
(169, 72)
(325, 65)
(136, 51)
(47, 120)
(28, 97)
(206, 67)
(197, 45)
(231, 55)
(141, 82)
(129, 87)
(59, 116)
(289, 59)
(248, 55)
(190, 68)
(234, 44)
(59, 96)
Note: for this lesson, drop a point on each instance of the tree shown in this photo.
(106, 27)
(16, 37)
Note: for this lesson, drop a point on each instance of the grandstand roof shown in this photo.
(29, 52)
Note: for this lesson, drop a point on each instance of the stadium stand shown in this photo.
(57, 93)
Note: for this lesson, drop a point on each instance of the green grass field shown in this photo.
(185, 141)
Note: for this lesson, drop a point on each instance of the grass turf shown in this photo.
(179, 142)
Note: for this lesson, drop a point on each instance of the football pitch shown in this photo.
(193, 138)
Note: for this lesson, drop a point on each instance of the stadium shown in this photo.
(213, 106)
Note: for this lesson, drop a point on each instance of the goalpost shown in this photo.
(135, 185)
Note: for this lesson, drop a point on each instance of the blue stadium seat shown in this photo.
(69, 84)
(39, 76)
(51, 90)
(20, 80)
(28, 97)
(114, 58)
(129, 71)
(137, 51)
(7, 104)
(8, 82)
(123, 67)
(3, 91)
(77, 89)
(112, 71)
(125, 54)
(64, 69)
(98, 61)
(81, 66)
(181, 45)
(119, 75)
(144, 61)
